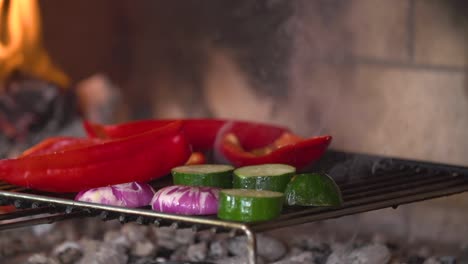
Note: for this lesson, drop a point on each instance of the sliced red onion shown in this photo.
(186, 200)
(132, 194)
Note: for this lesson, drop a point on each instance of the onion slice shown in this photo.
(186, 200)
(132, 194)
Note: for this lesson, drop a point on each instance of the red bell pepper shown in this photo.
(82, 164)
(288, 149)
(241, 143)
(201, 133)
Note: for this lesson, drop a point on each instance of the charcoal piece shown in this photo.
(205, 235)
(338, 256)
(197, 252)
(68, 252)
(237, 246)
(90, 245)
(267, 247)
(166, 237)
(103, 255)
(120, 241)
(270, 248)
(218, 249)
(184, 236)
(180, 253)
(143, 248)
(31, 108)
(134, 232)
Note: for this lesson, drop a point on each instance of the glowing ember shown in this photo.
(21, 44)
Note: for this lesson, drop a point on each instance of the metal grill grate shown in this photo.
(367, 182)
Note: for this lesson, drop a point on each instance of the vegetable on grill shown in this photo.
(84, 164)
(249, 205)
(131, 195)
(186, 200)
(213, 175)
(272, 177)
(297, 152)
(239, 142)
(313, 189)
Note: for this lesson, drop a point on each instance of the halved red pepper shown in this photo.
(86, 164)
(201, 133)
(241, 143)
(287, 149)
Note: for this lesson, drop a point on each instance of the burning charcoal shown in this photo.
(31, 108)
(9, 246)
(134, 232)
(340, 255)
(374, 253)
(205, 235)
(103, 255)
(180, 253)
(68, 252)
(218, 249)
(270, 248)
(237, 246)
(165, 237)
(40, 258)
(197, 252)
(143, 248)
(89, 244)
(184, 236)
(118, 240)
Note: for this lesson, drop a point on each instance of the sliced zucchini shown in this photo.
(313, 189)
(213, 175)
(249, 205)
(272, 177)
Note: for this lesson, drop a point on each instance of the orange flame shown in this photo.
(21, 44)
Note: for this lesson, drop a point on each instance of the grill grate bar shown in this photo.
(403, 186)
(390, 193)
(42, 220)
(26, 212)
(358, 208)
